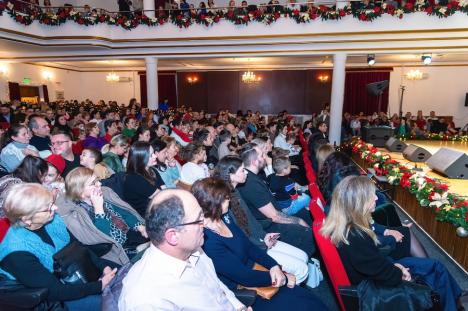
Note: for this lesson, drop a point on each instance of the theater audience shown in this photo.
(194, 168)
(53, 180)
(60, 123)
(62, 143)
(40, 135)
(171, 174)
(281, 142)
(292, 260)
(259, 199)
(349, 226)
(140, 183)
(31, 170)
(142, 134)
(130, 127)
(92, 139)
(180, 132)
(234, 255)
(285, 190)
(36, 234)
(113, 153)
(16, 147)
(170, 273)
(97, 215)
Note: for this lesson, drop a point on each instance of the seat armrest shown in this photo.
(14, 294)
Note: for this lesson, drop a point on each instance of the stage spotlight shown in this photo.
(426, 59)
(370, 59)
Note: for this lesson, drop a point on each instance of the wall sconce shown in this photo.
(47, 75)
(192, 79)
(3, 70)
(323, 78)
(415, 75)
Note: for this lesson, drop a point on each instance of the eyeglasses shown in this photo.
(59, 143)
(196, 222)
(49, 209)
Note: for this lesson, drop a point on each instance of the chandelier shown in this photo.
(414, 75)
(250, 77)
(112, 77)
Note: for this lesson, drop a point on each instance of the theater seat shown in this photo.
(4, 225)
(335, 268)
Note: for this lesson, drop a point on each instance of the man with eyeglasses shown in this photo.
(174, 273)
(61, 143)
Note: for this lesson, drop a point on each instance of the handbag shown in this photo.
(264, 292)
(73, 265)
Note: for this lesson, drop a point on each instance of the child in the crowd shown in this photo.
(285, 190)
(293, 149)
(92, 159)
(53, 179)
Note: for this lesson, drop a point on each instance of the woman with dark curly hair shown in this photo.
(293, 260)
(234, 256)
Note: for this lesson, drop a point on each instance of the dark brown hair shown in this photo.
(210, 193)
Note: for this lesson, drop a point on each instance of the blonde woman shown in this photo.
(96, 214)
(349, 226)
(36, 234)
(114, 151)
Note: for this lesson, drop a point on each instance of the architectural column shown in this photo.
(152, 82)
(336, 106)
(149, 8)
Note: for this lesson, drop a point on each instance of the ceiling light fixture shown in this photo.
(249, 77)
(426, 59)
(3, 70)
(370, 59)
(112, 77)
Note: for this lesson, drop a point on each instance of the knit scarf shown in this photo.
(115, 218)
(182, 135)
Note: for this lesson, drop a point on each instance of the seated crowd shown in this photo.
(130, 8)
(179, 201)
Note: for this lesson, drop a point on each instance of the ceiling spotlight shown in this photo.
(426, 59)
(370, 59)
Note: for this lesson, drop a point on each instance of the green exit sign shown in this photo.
(26, 81)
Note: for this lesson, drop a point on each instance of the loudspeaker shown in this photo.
(451, 163)
(377, 88)
(395, 145)
(377, 135)
(415, 153)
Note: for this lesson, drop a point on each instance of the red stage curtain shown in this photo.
(166, 88)
(14, 90)
(46, 93)
(356, 98)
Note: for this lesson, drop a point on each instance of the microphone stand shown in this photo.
(402, 88)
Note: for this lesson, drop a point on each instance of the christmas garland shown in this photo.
(430, 192)
(433, 136)
(236, 16)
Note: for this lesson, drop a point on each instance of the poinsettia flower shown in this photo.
(439, 200)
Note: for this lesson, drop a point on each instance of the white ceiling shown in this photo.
(284, 62)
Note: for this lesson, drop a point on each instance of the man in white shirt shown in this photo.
(174, 273)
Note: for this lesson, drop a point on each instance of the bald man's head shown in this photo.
(169, 209)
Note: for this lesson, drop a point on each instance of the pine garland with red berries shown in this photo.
(430, 192)
(305, 14)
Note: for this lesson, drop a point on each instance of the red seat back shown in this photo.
(4, 226)
(332, 260)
